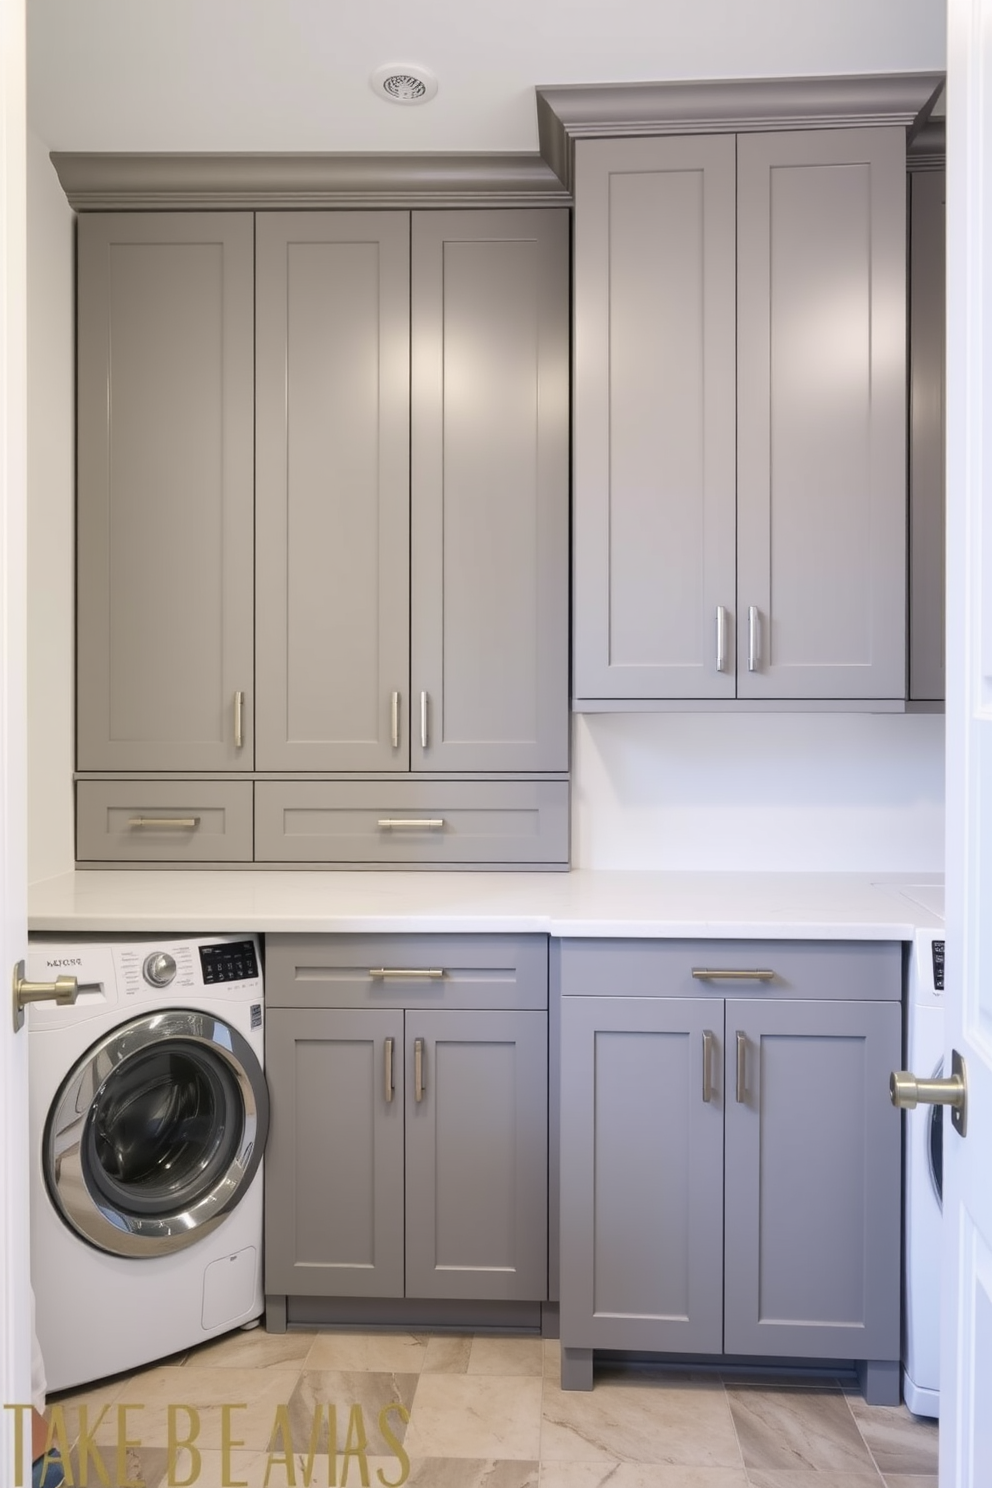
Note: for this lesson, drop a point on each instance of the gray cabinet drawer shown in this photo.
(477, 971)
(823, 969)
(163, 821)
(407, 823)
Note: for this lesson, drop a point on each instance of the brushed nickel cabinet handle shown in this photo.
(163, 821)
(431, 973)
(753, 638)
(707, 1066)
(423, 720)
(239, 725)
(712, 973)
(721, 638)
(429, 823)
(394, 720)
(418, 1070)
(741, 1067)
(389, 1069)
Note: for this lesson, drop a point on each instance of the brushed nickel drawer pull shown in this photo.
(239, 720)
(708, 973)
(707, 1066)
(427, 823)
(423, 720)
(721, 638)
(163, 821)
(753, 638)
(389, 1069)
(741, 1067)
(418, 1070)
(394, 720)
(432, 973)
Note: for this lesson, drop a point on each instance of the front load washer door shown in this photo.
(156, 1133)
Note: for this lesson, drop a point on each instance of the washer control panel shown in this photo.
(228, 961)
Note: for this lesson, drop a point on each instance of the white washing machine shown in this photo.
(148, 1118)
(923, 1158)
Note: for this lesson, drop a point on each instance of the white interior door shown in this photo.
(966, 1350)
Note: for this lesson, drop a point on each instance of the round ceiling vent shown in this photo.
(404, 82)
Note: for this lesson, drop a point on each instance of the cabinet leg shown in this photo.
(275, 1314)
(880, 1381)
(576, 1369)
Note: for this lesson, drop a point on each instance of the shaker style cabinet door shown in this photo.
(165, 489)
(642, 1106)
(821, 389)
(654, 420)
(332, 490)
(489, 491)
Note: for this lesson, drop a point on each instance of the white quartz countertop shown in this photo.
(795, 906)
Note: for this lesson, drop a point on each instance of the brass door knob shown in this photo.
(908, 1092)
(64, 990)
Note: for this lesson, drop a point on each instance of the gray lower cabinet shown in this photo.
(407, 1156)
(740, 419)
(730, 1159)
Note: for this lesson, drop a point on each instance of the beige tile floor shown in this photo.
(452, 1411)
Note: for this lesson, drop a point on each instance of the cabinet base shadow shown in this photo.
(282, 1312)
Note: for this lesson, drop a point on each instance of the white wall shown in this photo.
(51, 477)
(822, 792)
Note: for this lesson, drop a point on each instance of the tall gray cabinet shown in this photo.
(323, 518)
(729, 1156)
(739, 444)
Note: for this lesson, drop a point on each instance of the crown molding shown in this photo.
(928, 148)
(158, 182)
(568, 112)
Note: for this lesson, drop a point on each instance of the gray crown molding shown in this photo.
(569, 112)
(928, 148)
(155, 182)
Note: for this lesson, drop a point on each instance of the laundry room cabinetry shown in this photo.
(730, 1160)
(408, 1150)
(323, 531)
(740, 420)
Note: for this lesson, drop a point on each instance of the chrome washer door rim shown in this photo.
(109, 1226)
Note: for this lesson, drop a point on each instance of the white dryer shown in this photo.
(148, 1119)
(923, 1151)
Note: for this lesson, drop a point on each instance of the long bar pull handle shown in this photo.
(239, 720)
(721, 638)
(389, 1069)
(707, 1066)
(741, 1067)
(430, 823)
(714, 973)
(394, 720)
(423, 720)
(753, 638)
(162, 822)
(432, 973)
(418, 1069)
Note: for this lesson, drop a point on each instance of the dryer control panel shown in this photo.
(228, 961)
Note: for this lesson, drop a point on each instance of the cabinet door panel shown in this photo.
(489, 490)
(654, 418)
(334, 1161)
(813, 1181)
(165, 490)
(641, 1175)
(926, 427)
(477, 1157)
(332, 489)
(822, 413)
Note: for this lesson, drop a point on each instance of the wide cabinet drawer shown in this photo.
(164, 821)
(407, 823)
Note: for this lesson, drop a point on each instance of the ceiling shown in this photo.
(293, 75)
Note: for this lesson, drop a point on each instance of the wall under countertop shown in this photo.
(791, 792)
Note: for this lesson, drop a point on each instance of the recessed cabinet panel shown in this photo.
(165, 491)
(821, 414)
(926, 429)
(654, 418)
(489, 490)
(332, 490)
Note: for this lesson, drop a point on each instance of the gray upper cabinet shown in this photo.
(332, 470)
(489, 491)
(821, 414)
(165, 489)
(740, 430)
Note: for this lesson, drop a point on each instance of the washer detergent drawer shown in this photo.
(164, 821)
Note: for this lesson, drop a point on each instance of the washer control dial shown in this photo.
(159, 969)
